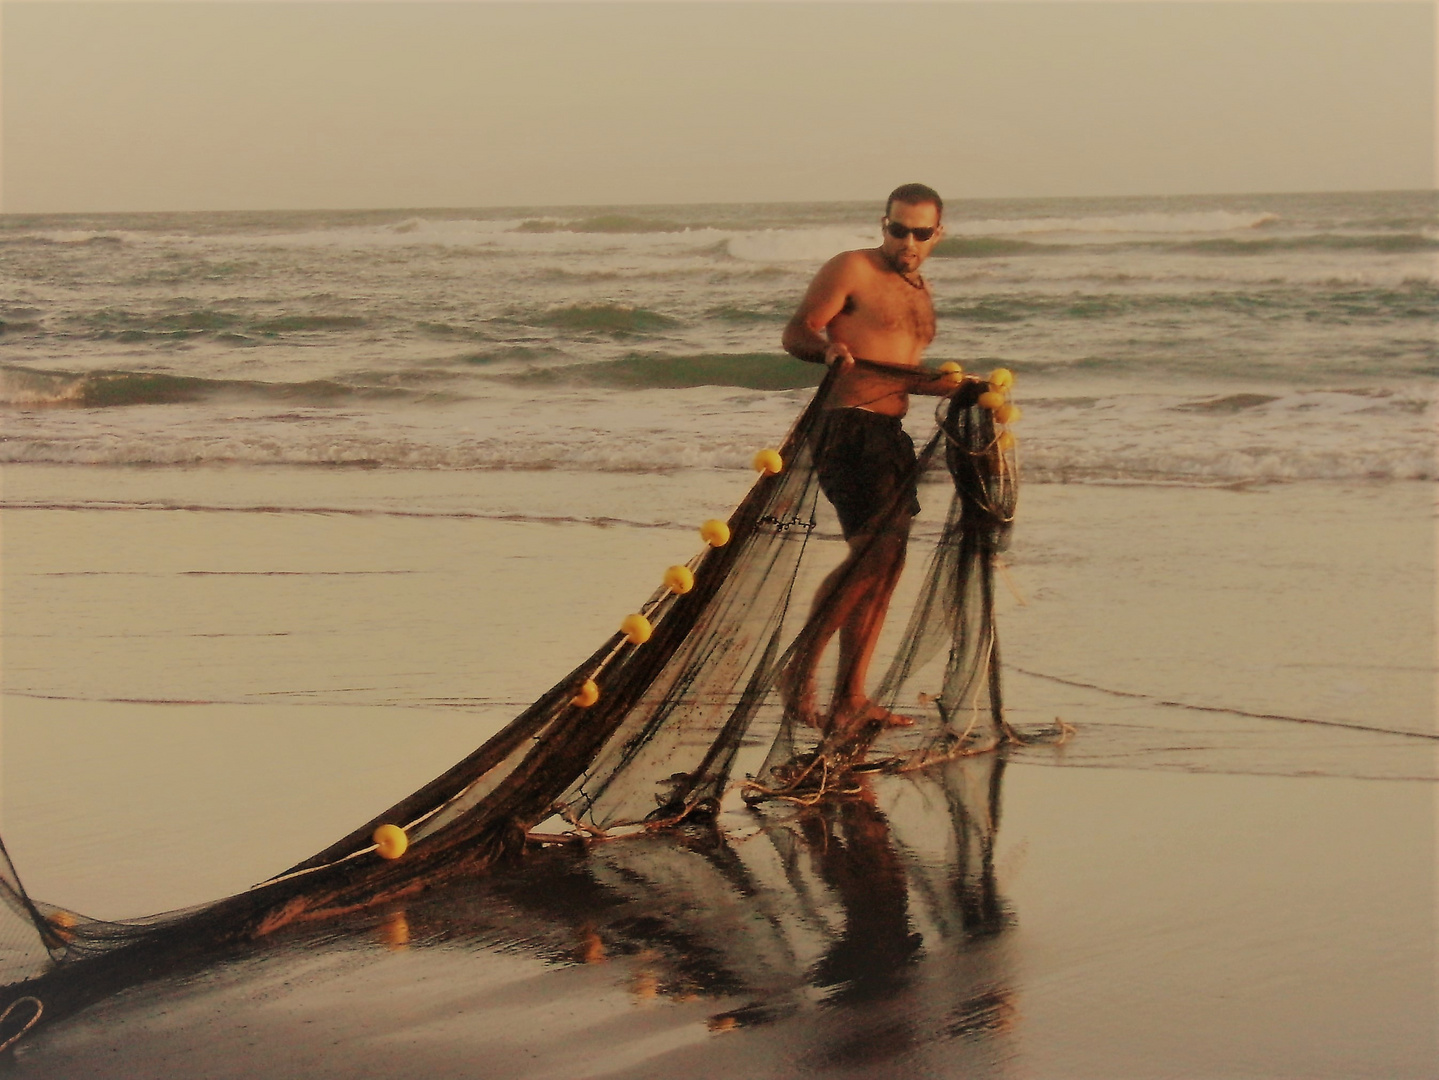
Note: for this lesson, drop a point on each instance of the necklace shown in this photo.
(902, 275)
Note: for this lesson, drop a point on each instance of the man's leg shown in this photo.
(834, 598)
(860, 631)
(838, 595)
(851, 601)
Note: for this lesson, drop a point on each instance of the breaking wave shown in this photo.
(751, 371)
(615, 319)
(126, 326)
(1194, 221)
(989, 247)
(711, 412)
(26, 387)
(1414, 300)
(1387, 243)
(607, 223)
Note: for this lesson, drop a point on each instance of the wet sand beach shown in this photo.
(210, 673)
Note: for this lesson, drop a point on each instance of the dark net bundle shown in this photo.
(945, 670)
(683, 720)
(955, 612)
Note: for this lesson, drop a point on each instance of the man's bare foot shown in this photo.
(799, 700)
(853, 715)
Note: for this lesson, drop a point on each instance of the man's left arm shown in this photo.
(925, 381)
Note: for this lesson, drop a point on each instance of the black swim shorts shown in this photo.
(866, 466)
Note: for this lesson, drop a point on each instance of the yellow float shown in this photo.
(588, 694)
(390, 841)
(1001, 378)
(1005, 440)
(715, 533)
(1007, 414)
(951, 374)
(768, 462)
(636, 628)
(679, 579)
(991, 399)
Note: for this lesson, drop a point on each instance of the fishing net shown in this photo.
(668, 721)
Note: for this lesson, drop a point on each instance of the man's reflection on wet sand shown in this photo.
(850, 844)
(867, 927)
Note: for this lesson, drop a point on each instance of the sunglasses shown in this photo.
(901, 232)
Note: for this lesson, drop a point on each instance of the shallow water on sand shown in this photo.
(210, 674)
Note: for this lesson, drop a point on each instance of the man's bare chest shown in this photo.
(890, 311)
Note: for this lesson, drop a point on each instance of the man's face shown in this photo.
(906, 254)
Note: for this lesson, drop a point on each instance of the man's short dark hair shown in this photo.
(914, 195)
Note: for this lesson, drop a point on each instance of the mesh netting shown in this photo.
(684, 720)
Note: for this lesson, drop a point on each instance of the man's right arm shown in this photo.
(806, 335)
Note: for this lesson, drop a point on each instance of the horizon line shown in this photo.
(949, 201)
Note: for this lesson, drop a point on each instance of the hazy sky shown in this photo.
(265, 105)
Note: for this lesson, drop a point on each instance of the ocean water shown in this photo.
(1190, 340)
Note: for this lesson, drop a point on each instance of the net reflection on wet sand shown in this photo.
(821, 922)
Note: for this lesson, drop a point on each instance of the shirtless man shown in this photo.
(871, 304)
